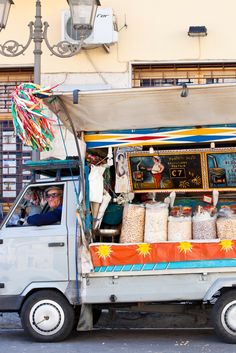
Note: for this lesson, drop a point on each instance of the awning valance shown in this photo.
(141, 108)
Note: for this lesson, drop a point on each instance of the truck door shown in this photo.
(33, 253)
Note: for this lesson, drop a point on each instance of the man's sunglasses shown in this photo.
(53, 195)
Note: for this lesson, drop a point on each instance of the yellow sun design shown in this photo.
(144, 249)
(226, 245)
(185, 247)
(104, 251)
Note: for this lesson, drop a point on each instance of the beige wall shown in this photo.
(156, 32)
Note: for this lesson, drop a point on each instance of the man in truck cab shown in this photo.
(53, 196)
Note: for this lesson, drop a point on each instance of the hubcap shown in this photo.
(228, 318)
(46, 317)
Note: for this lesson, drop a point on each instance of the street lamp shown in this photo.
(83, 14)
(4, 12)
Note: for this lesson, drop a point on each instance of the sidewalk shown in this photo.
(9, 321)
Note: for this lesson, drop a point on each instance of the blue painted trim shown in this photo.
(169, 266)
(155, 130)
(161, 266)
(137, 267)
(103, 143)
(88, 218)
(127, 268)
(148, 267)
(192, 139)
(201, 138)
(202, 264)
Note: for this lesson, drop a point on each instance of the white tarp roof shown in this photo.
(150, 107)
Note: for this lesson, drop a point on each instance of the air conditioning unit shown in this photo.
(104, 30)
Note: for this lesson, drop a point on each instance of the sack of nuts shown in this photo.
(156, 222)
(132, 230)
(226, 223)
(179, 228)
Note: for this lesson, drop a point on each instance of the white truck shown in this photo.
(42, 274)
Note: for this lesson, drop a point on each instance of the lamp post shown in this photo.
(83, 14)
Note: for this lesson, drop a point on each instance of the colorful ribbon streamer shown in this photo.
(30, 123)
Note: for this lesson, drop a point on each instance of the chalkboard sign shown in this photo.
(165, 171)
(221, 170)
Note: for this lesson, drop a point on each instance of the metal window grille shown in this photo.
(12, 158)
(157, 75)
(12, 153)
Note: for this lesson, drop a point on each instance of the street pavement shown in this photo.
(125, 333)
(120, 341)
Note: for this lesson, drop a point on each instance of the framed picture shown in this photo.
(166, 171)
(221, 169)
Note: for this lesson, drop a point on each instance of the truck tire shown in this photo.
(47, 316)
(224, 317)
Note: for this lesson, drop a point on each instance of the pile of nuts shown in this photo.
(179, 228)
(226, 228)
(226, 223)
(150, 223)
(204, 223)
(156, 223)
(133, 224)
(204, 229)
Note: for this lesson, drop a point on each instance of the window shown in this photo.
(43, 204)
(12, 159)
(160, 75)
(12, 152)
(9, 79)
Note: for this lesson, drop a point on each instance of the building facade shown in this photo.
(145, 44)
(12, 152)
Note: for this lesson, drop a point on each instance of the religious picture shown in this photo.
(122, 180)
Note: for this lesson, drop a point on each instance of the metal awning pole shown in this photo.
(81, 164)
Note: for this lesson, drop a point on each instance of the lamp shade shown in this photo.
(4, 12)
(83, 13)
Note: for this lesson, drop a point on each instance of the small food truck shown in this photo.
(148, 214)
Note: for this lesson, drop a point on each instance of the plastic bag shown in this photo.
(179, 228)
(204, 226)
(156, 222)
(226, 227)
(96, 183)
(132, 230)
(102, 209)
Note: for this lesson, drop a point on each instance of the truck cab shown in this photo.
(39, 259)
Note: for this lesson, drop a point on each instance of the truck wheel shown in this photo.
(47, 316)
(224, 317)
